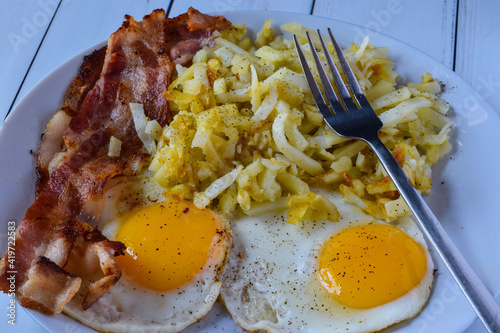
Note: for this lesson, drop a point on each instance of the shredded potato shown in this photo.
(247, 134)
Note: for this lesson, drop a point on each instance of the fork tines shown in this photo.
(346, 98)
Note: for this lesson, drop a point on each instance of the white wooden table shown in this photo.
(36, 36)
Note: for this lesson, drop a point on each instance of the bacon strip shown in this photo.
(189, 32)
(77, 250)
(52, 141)
(53, 248)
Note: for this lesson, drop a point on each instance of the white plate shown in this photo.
(465, 184)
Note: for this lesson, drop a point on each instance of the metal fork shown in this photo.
(355, 119)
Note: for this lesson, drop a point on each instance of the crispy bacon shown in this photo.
(189, 32)
(84, 81)
(52, 140)
(77, 250)
(53, 248)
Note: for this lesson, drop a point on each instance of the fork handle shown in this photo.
(476, 292)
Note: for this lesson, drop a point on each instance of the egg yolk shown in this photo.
(370, 265)
(167, 244)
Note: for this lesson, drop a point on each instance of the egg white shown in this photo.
(271, 284)
(128, 307)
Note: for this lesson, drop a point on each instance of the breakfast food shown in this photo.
(171, 271)
(247, 134)
(59, 250)
(182, 130)
(356, 275)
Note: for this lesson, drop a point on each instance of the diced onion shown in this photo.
(115, 146)
(140, 123)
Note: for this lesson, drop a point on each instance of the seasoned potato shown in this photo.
(247, 134)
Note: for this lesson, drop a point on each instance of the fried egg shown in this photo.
(356, 275)
(171, 271)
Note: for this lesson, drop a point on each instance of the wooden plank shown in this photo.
(218, 6)
(90, 22)
(478, 37)
(428, 25)
(22, 28)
